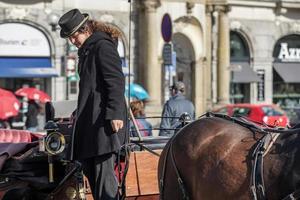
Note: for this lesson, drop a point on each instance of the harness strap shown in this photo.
(293, 196)
(256, 184)
(162, 178)
(179, 179)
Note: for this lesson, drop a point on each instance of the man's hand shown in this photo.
(116, 125)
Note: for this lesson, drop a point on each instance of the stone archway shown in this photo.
(189, 30)
(185, 59)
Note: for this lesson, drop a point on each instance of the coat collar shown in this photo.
(178, 96)
(94, 38)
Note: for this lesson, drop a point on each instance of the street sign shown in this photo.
(167, 54)
(166, 28)
(261, 85)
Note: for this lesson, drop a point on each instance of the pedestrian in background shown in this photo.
(99, 125)
(174, 108)
(138, 111)
(31, 122)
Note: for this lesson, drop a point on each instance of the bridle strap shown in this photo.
(179, 179)
(162, 178)
(293, 196)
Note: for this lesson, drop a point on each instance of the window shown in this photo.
(238, 112)
(239, 50)
(270, 111)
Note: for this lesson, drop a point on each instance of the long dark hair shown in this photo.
(94, 26)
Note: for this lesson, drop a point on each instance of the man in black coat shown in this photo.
(99, 126)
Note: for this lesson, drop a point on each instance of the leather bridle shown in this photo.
(257, 187)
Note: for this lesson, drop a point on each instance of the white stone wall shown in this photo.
(37, 13)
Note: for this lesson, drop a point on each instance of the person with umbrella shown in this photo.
(9, 108)
(99, 125)
(32, 115)
(32, 97)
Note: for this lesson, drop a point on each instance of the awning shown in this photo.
(243, 73)
(26, 67)
(289, 72)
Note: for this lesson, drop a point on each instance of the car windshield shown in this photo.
(240, 111)
(270, 111)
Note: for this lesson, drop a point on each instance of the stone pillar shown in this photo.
(208, 67)
(149, 67)
(223, 72)
(199, 87)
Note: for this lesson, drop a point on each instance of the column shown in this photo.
(199, 87)
(208, 67)
(223, 72)
(150, 69)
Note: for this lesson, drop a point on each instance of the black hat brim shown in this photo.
(68, 34)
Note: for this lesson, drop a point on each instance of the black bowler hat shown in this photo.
(71, 21)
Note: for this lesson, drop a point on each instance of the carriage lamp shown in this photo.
(55, 143)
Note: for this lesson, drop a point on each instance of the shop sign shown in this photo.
(287, 54)
(17, 39)
(167, 53)
(261, 85)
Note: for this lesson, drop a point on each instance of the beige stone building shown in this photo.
(225, 50)
(234, 51)
(200, 40)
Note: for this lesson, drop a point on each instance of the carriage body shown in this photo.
(69, 182)
(26, 175)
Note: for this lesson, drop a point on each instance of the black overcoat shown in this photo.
(100, 99)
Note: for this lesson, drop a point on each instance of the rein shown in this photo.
(262, 147)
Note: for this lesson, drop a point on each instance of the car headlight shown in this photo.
(55, 143)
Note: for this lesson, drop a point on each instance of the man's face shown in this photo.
(78, 38)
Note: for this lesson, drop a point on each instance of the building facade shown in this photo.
(224, 51)
(265, 35)
(32, 52)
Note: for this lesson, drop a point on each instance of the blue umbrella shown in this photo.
(136, 91)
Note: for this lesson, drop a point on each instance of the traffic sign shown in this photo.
(167, 54)
(166, 28)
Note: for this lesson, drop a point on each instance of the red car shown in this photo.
(269, 114)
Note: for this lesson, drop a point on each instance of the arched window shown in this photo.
(239, 50)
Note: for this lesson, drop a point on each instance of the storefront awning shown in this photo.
(26, 67)
(243, 73)
(289, 72)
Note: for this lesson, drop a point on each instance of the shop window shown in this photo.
(73, 87)
(286, 89)
(239, 50)
(239, 53)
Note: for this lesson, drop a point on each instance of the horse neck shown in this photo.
(283, 161)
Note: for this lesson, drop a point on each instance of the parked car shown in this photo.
(269, 114)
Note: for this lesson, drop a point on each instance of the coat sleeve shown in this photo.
(114, 80)
(165, 122)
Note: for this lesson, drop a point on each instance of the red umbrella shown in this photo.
(6, 93)
(9, 107)
(33, 94)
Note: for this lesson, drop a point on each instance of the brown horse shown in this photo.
(214, 159)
